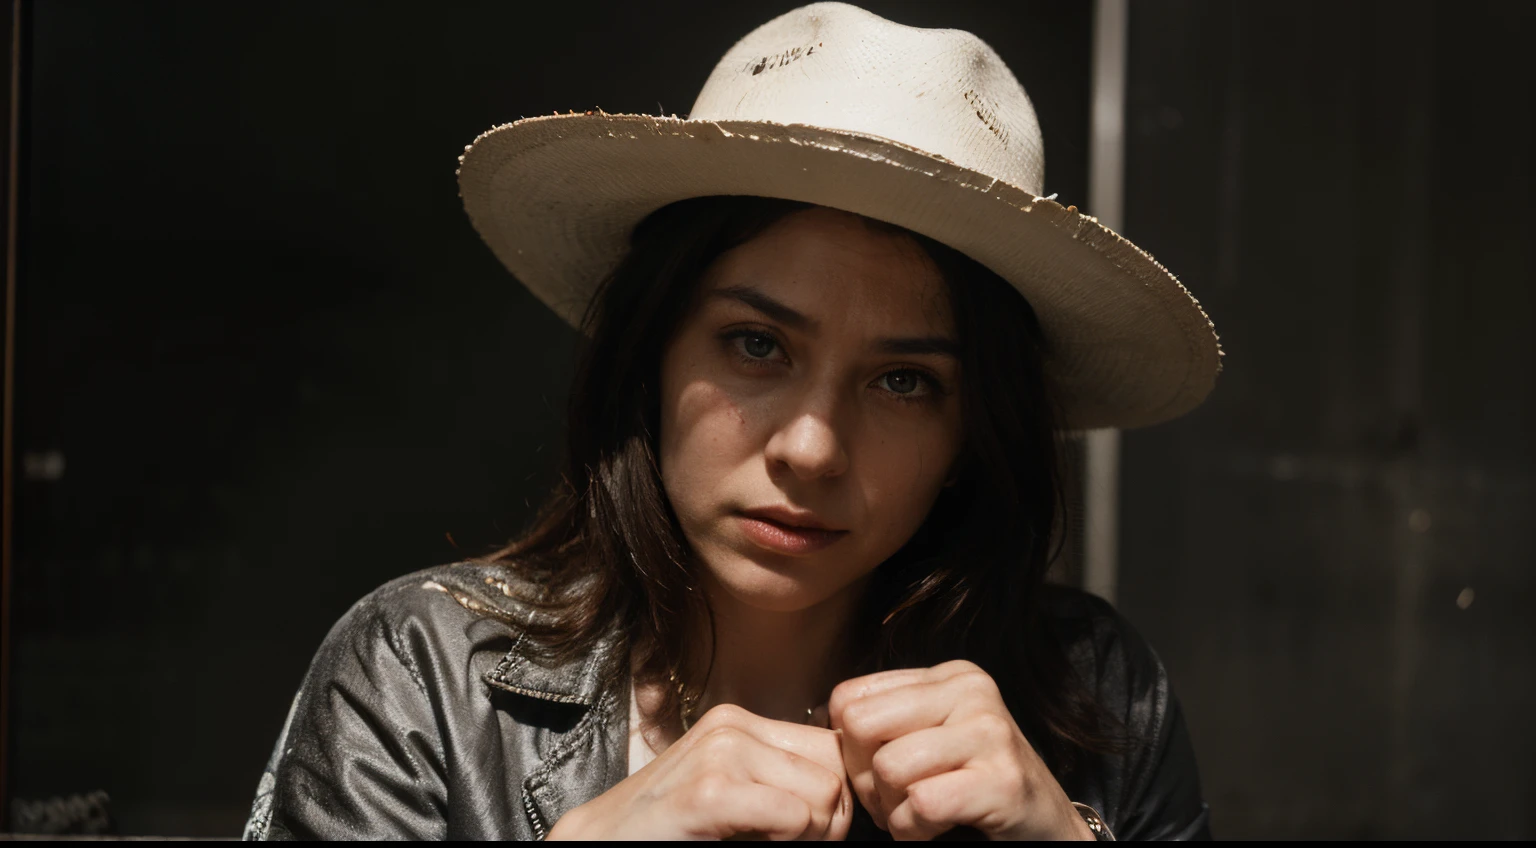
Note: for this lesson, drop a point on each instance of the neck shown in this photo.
(777, 664)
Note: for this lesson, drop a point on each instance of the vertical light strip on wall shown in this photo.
(8, 411)
(1106, 200)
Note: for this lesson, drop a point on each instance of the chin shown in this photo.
(772, 584)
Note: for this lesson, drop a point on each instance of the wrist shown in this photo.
(1069, 825)
(1091, 824)
(567, 828)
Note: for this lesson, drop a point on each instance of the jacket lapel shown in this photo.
(581, 763)
(588, 761)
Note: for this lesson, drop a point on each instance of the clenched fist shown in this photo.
(732, 774)
(932, 749)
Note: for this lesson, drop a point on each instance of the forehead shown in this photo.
(834, 265)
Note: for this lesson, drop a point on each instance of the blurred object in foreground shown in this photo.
(86, 815)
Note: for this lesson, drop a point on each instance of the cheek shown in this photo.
(903, 480)
(703, 433)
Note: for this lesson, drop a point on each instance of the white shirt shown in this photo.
(640, 753)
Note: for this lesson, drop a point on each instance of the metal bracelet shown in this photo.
(1095, 822)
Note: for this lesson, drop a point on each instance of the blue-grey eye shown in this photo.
(758, 346)
(902, 382)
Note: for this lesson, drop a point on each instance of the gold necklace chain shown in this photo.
(688, 704)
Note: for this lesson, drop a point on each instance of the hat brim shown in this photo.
(556, 197)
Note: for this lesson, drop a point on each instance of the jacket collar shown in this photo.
(575, 762)
(581, 763)
(577, 682)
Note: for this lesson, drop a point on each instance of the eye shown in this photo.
(903, 382)
(761, 349)
(758, 347)
(909, 385)
(754, 347)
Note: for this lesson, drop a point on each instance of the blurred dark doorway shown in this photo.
(1334, 555)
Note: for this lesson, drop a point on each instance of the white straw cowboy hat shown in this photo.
(830, 104)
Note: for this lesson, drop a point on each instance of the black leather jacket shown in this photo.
(420, 718)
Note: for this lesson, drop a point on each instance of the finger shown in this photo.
(814, 743)
(858, 688)
(944, 801)
(722, 809)
(900, 763)
(825, 793)
(879, 718)
(732, 750)
(819, 745)
(851, 690)
(857, 754)
(871, 722)
(882, 680)
(935, 750)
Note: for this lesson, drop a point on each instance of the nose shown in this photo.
(809, 444)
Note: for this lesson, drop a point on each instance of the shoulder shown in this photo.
(432, 633)
(455, 591)
(439, 615)
(397, 691)
(1152, 789)
(1105, 649)
(474, 600)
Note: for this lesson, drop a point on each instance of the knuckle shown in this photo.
(953, 671)
(708, 791)
(842, 695)
(722, 740)
(886, 767)
(993, 727)
(706, 722)
(803, 819)
(926, 806)
(859, 720)
(869, 795)
(976, 680)
(904, 828)
(829, 788)
(721, 715)
(799, 818)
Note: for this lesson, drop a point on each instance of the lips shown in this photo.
(792, 519)
(785, 532)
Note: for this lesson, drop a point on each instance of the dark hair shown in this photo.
(606, 550)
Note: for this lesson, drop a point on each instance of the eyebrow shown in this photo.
(782, 313)
(768, 306)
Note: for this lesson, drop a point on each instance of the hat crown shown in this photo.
(832, 65)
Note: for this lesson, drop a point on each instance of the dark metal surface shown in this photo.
(11, 36)
(1334, 556)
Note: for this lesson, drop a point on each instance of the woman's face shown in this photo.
(817, 375)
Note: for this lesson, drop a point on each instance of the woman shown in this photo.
(792, 585)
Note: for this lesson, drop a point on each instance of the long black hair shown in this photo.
(606, 550)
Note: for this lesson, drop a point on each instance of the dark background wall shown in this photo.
(265, 364)
(1335, 555)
